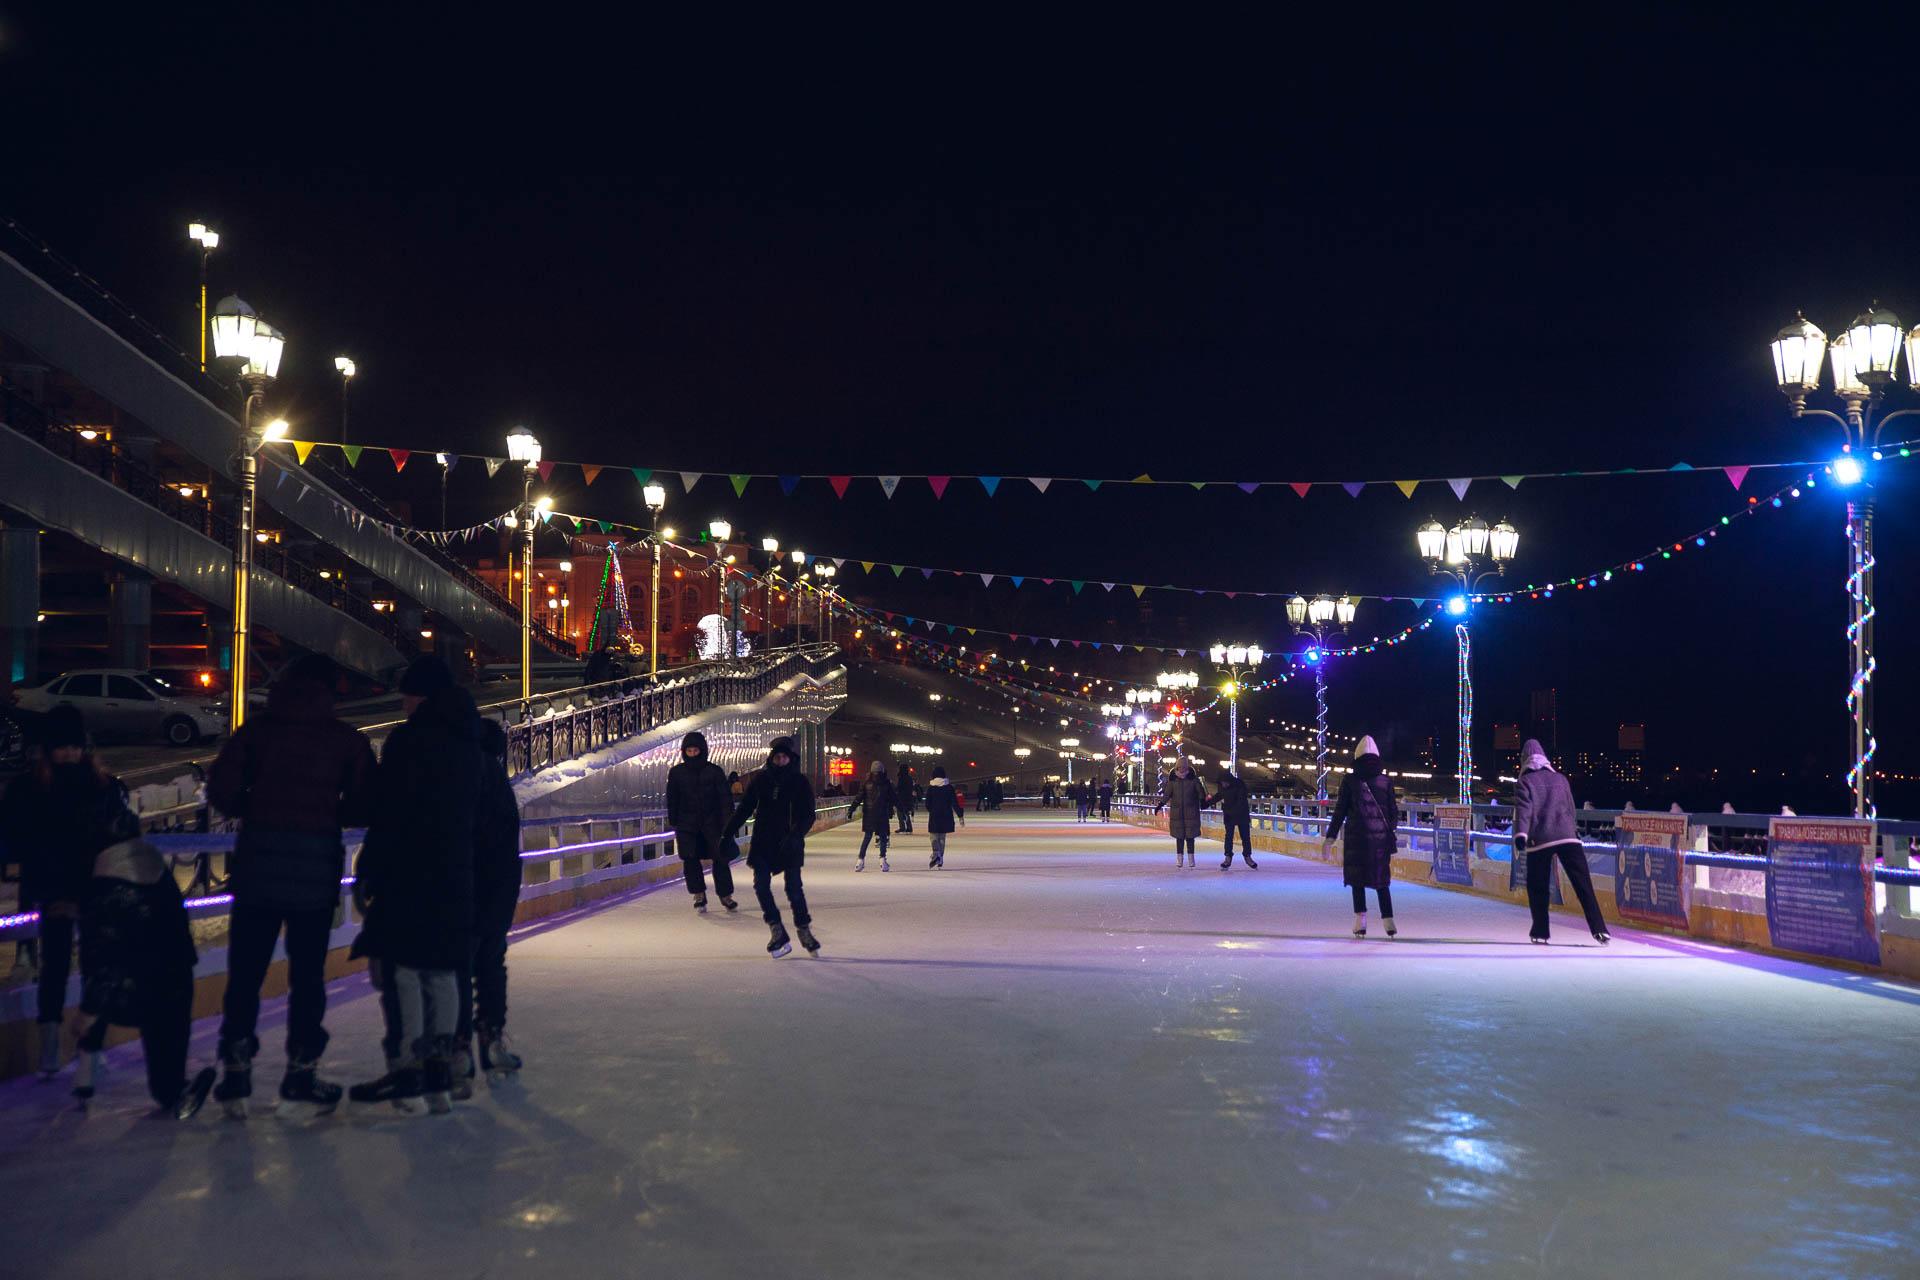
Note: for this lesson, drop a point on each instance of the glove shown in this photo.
(1326, 849)
(360, 898)
(1520, 843)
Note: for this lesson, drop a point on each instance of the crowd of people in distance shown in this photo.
(436, 883)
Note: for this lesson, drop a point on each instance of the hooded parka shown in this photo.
(1370, 815)
(1183, 798)
(699, 802)
(876, 799)
(780, 802)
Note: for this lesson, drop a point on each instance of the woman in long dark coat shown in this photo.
(1371, 816)
(1183, 796)
(943, 805)
(780, 802)
(879, 798)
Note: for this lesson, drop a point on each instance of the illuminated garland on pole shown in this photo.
(1466, 712)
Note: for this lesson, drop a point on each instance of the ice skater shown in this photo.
(1183, 796)
(1106, 802)
(1543, 826)
(1236, 814)
(1371, 817)
(943, 806)
(699, 803)
(783, 798)
(877, 797)
(903, 799)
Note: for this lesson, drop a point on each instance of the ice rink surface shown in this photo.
(1058, 1056)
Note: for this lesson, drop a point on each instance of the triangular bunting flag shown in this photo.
(839, 484)
(449, 461)
(1107, 585)
(888, 484)
(1143, 478)
(926, 573)
(1513, 482)
(867, 565)
(986, 579)
(1048, 581)
(939, 485)
(1299, 488)
(1016, 581)
(788, 484)
(839, 562)
(1198, 484)
(688, 479)
(588, 473)
(1039, 482)
(1092, 484)
(493, 466)
(546, 470)
(1736, 474)
(1077, 586)
(1353, 488)
(1138, 590)
(1054, 641)
(353, 453)
(1681, 466)
(989, 483)
(643, 474)
(1406, 487)
(301, 448)
(1459, 488)
(282, 480)
(1247, 486)
(606, 526)
(898, 569)
(739, 485)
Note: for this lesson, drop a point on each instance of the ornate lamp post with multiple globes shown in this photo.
(656, 499)
(1468, 553)
(1864, 356)
(1318, 619)
(240, 334)
(1240, 661)
(523, 447)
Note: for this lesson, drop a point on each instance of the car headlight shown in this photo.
(214, 709)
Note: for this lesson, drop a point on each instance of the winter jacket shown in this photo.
(942, 804)
(416, 867)
(1106, 794)
(496, 839)
(1183, 798)
(699, 802)
(903, 790)
(139, 956)
(55, 822)
(780, 802)
(1542, 806)
(877, 797)
(293, 778)
(1370, 815)
(1232, 798)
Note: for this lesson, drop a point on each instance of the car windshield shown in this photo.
(156, 684)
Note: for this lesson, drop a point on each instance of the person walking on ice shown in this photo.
(1371, 817)
(783, 798)
(699, 802)
(1236, 814)
(878, 798)
(943, 806)
(1543, 827)
(1183, 796)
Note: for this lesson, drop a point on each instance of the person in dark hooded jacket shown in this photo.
(1543, 828)
(292, 778)
(878, 798)
(780, 802)
(699, 803)
(943, 806)
(415, 877)
(903, 797)
(1236, 814)
(1371, 816)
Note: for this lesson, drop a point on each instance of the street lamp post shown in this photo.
(772, 547)
(656, 499)
(344, 366)
(446, 470)
(1864, 357)
(208, 239)
(1460, 553)
(719, 531)
(1240, 660)
(524, 448)
(239, 333)
(1318, 619)
(826, 572)
(795, 609)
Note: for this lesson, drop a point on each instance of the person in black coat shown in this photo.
(1371, 816)
(415, 879)
(780, 802)
(1106, 802)
(1236, 814)
(878, 798)
(699, 802)
(903, 798)
(482, 983)
(943, 806)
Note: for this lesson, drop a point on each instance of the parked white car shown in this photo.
(118, 703)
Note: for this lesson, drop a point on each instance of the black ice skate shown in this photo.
(700, 903)
(729, 904)
(400, 1086)
(779, 945)
(807, 940)
(302, 1089)
(497, 1059)
(236, 1079)
(194, 1096)
(436, 1076)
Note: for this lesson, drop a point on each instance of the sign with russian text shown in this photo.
(1452, 824)
(1820, 896)
(1650, 883)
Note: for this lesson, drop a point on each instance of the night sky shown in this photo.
(1223, 253)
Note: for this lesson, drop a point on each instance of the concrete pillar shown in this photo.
(20, 605)
(130, 620)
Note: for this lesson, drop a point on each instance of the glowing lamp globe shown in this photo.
(1473, 537)
(1505, 542)
(523, 447)
(1797, 352)
(1875, 337)
(1846, 379)
(1345, 610)
(1431, 538)
(1297, 610)
(655, 496)
(1321, 610)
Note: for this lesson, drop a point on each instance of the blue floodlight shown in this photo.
(1313, 655)
(1456, 605)
(1847, 469)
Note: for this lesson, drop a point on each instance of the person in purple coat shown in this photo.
(1371, 816)
(1543, 828)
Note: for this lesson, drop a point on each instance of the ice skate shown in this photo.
(86, 1072)
(1251, 864)
(1228, 864)
(1387, 923)
(807, 940)
(303, 1092)
(236, 1079)
(1537, 940)
(194, 1096)
(1360, 925)
(860, 865)
(436, 1076)
(49, 1050)
(933, 862)
(883, 863)
(730, 905)
(497, 1057)
(462, 1087)
(779, 945)
(401, 1087)
(700, 903)
(1603, 937)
